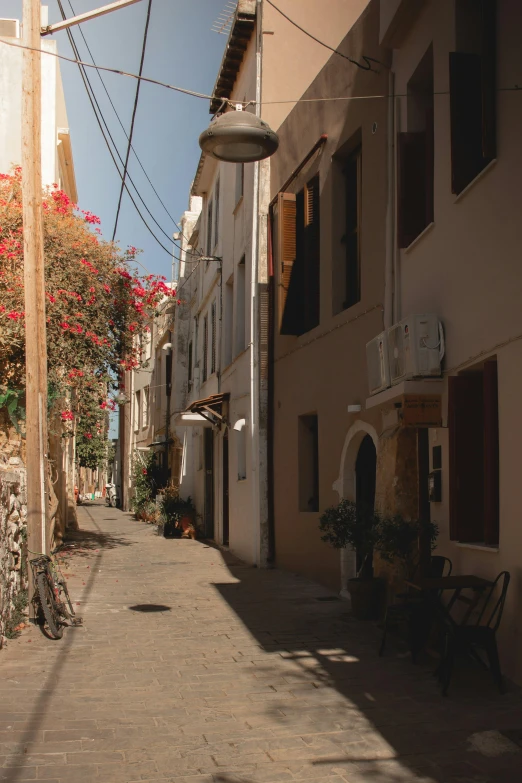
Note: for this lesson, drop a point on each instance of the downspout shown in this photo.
(271, 400)
(389, 274)
(254, 308)
(168, 393)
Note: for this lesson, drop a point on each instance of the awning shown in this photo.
(210, 410)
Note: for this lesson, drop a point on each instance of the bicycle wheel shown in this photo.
(48, 604)
(67, 603)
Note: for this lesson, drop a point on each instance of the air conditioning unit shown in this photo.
(378, 364)
(415, 348)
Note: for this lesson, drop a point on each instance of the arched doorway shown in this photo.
(346, 484)
(365, 477)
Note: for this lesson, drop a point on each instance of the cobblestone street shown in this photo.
(237, 676)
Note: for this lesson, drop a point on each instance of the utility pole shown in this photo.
(34, 274)
(34, 288)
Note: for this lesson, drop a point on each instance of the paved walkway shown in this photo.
(246, 676)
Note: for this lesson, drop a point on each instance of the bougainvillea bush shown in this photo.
(97, 307)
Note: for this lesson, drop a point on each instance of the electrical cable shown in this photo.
(96, 108)
(133, 118)
(368, 60)
(123, 127)
(514, 88)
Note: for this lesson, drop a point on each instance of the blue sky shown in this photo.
(183, 50)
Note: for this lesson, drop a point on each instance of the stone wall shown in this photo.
(13, 519)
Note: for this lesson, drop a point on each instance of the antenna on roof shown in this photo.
(224, 21)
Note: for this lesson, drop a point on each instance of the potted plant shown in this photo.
(401, 542)
(178, 514)
(351, 524)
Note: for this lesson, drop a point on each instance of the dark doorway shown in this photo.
(423, 463)
(208, 516)
(365, 476)
(225, 490)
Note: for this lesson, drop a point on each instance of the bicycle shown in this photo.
(54, 607)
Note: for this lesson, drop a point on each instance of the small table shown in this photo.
(457, 583)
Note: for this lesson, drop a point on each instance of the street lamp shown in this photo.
(239, 137)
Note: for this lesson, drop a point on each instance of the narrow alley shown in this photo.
(193, 667)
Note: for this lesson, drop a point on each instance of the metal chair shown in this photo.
(479, 636)
(410, 606)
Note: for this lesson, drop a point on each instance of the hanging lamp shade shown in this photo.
(239, 137)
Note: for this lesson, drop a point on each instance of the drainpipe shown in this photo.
(168, 393)
(254, 316)
(389, 274)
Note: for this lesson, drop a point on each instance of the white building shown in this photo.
(268, 62)
(57, 161)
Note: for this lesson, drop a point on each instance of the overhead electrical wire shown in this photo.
(122, 125)
(134, 110)
(100, 119)
(514, 88)
(368, 60)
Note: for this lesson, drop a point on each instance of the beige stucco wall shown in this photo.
(291, 59)
(466, 268)
(324, 370)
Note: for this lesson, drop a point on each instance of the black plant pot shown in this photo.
(366, 596)
(170, 531)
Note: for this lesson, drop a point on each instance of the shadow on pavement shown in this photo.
(85, 542)
(382, 720)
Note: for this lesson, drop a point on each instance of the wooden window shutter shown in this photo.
(286, 254)
(489, 82)
(216, 216)
(311, 255)
(209, 228)
(213, 338)
(466, 457)
(491, 454)
(352, 237)
(205, 347)
(412, 167)
(465, 118)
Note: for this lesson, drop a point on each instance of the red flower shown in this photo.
(87, 435)
(144, 472)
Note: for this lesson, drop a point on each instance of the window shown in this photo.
(209, 227)
(474, 455)
(189, 365)
(346, 216)
(137, 410)
(415, 156)
(145, 408)
(240, 181)
(473, 91)
(213, 338)
(146, 346)
(241, 453)
(205, 347)
(199, 446)
(216, 215)
(308, 456)
(240, 342)
(228, 312)
(298, 255)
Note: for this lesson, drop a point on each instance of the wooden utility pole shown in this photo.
(34, 282)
